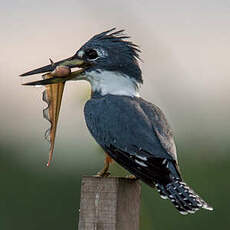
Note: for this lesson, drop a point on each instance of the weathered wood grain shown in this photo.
(110, 203)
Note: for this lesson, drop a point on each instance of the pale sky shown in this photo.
(185, 47)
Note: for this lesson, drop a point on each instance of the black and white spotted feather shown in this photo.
(183, 197)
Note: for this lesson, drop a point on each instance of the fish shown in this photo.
(54, 83)
(52, 95)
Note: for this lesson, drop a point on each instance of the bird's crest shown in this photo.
(118, 36)
(123, 54)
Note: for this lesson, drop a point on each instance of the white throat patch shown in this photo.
(108, 82)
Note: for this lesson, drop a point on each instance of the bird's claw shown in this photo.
(131, 177)
(103, 174)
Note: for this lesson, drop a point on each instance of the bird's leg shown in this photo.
(104, 172)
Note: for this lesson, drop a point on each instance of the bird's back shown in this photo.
(127, 121)
(126, 125)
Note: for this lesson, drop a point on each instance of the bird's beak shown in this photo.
(58, 77)
(70, 62)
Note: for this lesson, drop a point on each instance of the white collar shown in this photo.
(115, 83)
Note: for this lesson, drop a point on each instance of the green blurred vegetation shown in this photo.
(49, 198)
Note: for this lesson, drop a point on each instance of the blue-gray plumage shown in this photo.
(120, 55)
(132, 131)
(135, 133)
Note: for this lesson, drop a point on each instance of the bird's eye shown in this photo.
(91, 54)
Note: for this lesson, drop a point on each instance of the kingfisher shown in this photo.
(132, 131)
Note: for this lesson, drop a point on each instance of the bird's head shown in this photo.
(109, 62)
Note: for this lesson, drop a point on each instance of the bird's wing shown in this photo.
(127, 133)
(160, 127)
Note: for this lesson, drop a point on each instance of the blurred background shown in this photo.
(186, 51)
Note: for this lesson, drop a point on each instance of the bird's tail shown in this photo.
(184, 198)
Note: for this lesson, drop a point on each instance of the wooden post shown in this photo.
(109, 203)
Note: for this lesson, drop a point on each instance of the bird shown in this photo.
(132, 131)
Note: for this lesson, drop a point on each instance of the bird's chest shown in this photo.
(102, 118)
(117, 120)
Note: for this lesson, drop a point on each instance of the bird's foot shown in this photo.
(131, 177)
(102, 174)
